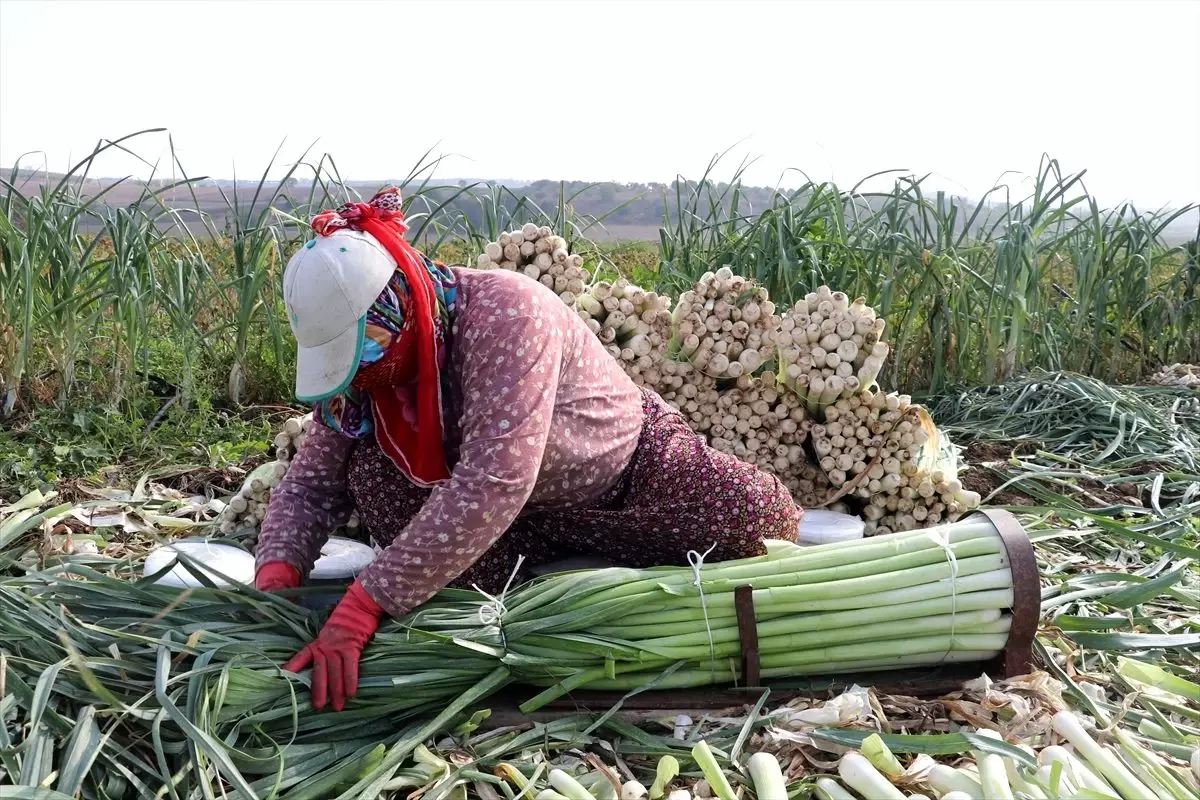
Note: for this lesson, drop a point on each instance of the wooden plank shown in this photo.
(925, 684)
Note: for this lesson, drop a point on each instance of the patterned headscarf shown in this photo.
(397, 392)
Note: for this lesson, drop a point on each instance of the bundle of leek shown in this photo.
(819, 610)
(757, 423)
(723, 325)
(633, 324)
(910, 478)
(542, 255)
(829, 347)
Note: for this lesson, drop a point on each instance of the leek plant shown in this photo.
(973, 291)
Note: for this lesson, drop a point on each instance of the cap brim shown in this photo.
(328, 369)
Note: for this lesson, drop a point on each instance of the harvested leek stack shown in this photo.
(854, 434)
(724, 325)
(542, 255)
(248, 507)
(810, 488)
(288, 440)
(760, 425)
(885, 451)
(632, 323)
(689, 391)
(829, 348)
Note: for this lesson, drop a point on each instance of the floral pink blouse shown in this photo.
(537, 413)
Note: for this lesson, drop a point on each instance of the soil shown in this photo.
(984, 473)
(986, 470)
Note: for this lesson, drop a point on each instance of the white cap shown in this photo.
(328, 287)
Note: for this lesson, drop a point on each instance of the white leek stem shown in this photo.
(829, 789)
(862, 777)
(1068, 726)
(1019, 782)
(947, 780)
(767, 776)
(993, 777)
(568, 787)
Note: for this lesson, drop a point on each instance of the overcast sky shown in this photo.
(626, 90)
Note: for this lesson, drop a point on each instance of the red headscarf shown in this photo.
(407, 378)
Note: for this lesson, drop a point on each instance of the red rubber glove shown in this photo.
(276, 575)
(335, 653)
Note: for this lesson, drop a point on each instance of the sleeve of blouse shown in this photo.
(309, 503)
(510, 377)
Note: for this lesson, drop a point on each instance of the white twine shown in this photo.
(942, 540)
(697, 561)
(492, 613)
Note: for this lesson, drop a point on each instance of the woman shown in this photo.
(478, 427)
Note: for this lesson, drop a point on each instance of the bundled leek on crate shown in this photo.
(819, 610)
(834, 608)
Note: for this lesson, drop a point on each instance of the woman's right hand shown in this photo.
(276, 576)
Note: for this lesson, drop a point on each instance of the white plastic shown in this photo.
(820, 526)
(342, 559)
(238, 565)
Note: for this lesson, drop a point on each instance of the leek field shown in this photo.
(146, 366)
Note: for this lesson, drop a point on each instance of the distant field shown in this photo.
(640, 207)
(625, 233)
(210, 201)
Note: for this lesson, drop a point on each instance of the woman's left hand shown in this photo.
(335, 653)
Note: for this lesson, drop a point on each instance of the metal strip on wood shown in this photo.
(1017, 658)
(743, 603)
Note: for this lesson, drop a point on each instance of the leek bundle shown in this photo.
(723, 325)
(829, 347)
(819, 610)
(542, 255)
(634, 325)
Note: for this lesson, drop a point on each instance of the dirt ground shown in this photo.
(987, 468)
(984, 474)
